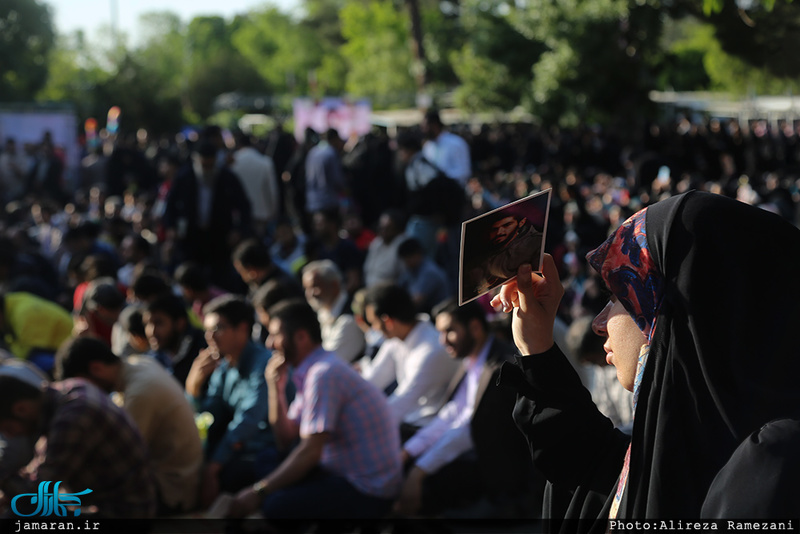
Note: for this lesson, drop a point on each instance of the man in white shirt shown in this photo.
(322, 282)
(472, 448)
(411, 355)
(446, 150)
(256, 172)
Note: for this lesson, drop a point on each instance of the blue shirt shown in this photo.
(237, 398)
(428, 281)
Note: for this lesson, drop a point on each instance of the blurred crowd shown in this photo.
(155, 275)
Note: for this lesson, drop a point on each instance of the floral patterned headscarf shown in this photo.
(628, 269)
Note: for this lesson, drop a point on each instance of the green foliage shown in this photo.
(763, 39)
(443, 34)
(715, 6)
(137, 95)
(378, 53)
(284, 53)
(26, 38)
(74, 75)
(494, 66)
(225, 72)
(731, 74)
(600, 58)
(568, 61)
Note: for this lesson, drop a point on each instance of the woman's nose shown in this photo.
(600, 322)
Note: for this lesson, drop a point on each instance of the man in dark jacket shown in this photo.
(206, 215)
(472, 449)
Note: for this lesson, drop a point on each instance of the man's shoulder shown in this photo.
(145, 377)
(327, 367)
(76, 399)
(452, 138)
(257, 355)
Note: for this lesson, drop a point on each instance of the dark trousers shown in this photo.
(323, 495)
(455, 485)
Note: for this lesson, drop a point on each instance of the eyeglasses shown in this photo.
(218, 328)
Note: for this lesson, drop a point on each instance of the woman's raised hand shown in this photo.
(534, 300)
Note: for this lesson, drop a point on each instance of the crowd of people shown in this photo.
(278, 321)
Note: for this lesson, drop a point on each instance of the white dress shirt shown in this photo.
(256, 173)
(422, 369)
(449, 435)
(450, 153)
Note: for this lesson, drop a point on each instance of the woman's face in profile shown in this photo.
(624, 340)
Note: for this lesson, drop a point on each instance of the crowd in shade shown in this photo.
(277, 320)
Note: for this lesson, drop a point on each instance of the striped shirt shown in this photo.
(364, 445)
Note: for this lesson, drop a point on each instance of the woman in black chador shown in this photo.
(702, 327)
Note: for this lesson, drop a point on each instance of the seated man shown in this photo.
(611, 398)
(381, 265)
(422, 277)
(472, 448)
(133, 339)
(344, 465)
(102, 304)
(254, 264)
(322, 282)
(174, 342)
(412, 356)
(271, 294)
(16, 452)
(156, 404)
(195, 286)
(89, 443)
(227, 380)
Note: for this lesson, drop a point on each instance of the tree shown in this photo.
(762, 36)
(26, 38)
(286, 54)
(73, 76)
(600, 58)
(494, 66)
(377, 41)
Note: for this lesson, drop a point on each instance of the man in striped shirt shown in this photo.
(346, 463)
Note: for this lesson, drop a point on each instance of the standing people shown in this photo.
(256, 172)
(325, 181)
(206, 214)
(444, 149)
